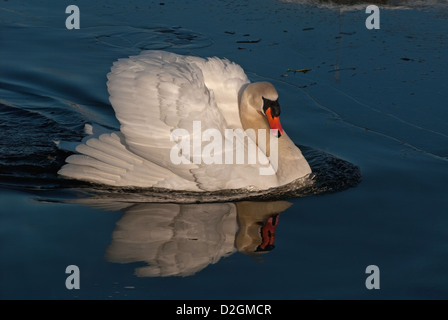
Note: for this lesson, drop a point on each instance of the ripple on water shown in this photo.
(135, 39)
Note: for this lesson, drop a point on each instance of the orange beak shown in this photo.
(274, 123)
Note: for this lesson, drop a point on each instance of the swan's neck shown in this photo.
(290, 162)
(252, 119)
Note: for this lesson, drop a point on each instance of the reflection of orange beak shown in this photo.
(268, 234)
(274, 123)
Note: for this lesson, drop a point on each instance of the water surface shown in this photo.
(374, 100)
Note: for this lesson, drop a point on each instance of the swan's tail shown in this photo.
(103, 158)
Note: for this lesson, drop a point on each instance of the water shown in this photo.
(374, 100)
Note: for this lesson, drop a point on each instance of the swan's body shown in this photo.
(157, 92)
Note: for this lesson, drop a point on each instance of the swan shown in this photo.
(168, 105)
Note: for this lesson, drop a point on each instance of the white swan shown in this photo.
(157, 92)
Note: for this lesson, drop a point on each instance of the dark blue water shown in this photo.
(374, 100)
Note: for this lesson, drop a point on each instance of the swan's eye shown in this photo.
(275, 107)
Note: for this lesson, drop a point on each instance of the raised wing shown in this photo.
(154, 95)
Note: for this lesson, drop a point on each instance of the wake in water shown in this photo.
(330, 174)
(30, 161)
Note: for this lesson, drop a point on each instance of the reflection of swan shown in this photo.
(157, 92)
(180, 240)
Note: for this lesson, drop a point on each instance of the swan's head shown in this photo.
(263, 97)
